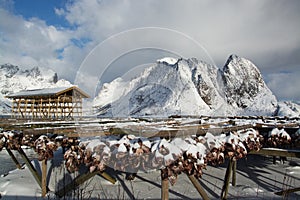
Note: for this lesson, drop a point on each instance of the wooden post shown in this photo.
(32, 108)
(13, 108)
(226, 180)
(25, 109)
(233, 181)
(33, 171)
(198, 187)
(49, 107)
(14, 158)
(44, 177)
(164, 184)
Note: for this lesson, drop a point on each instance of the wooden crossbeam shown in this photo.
(80, 180)
(278, 152)
(31, 168)
(198, 187)
(286, 192)
(14, 158)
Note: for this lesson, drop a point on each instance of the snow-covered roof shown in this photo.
(47, 92)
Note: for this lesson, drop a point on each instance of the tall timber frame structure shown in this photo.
(48, 103)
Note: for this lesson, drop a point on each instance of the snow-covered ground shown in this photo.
(257, 178)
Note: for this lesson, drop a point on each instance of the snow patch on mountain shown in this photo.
(168, 61)
(13, 79)
(288, 108)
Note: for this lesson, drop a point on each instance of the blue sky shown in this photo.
(61, 34)
(40, 9)
(44, 10)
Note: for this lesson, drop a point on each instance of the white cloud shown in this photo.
(266, 32)
(285, 85)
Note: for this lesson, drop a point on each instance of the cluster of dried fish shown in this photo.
(188, 155)
(44, 147)
(73, 158)
(278, 138)
(11, 140)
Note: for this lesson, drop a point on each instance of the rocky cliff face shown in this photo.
(180, 86)
(245, 88)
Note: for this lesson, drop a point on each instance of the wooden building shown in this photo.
(55, 103)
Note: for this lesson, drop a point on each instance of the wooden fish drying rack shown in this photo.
(90, 128)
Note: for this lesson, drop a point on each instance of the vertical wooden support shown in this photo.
(226, 180)
(233, 181)
(14, 158)
(32, 108)
(44, 177)
(13, 108)
(25, 109)
(33, 171)
(49, 107)
(41, 108)
(198, 187)
(164, 184)
(57, 103)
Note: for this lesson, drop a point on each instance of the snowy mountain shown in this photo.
(169, 87)
(13, 79)
(288, 108)
(189, 86)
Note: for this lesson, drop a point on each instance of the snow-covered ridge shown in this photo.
(191, 87)
(288, 108)
(168, 60)
(14, 79)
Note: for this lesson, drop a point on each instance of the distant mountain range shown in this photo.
(169, 87)
(13, 79)
(192, 87)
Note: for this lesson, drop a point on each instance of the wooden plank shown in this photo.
(14, 158)
(286, 192)
(44, 177)
(33, 171)
(198, 187)
(277, 152)
(226, 180)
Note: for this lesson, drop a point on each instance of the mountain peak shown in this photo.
(234, 57)
(168, 61)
